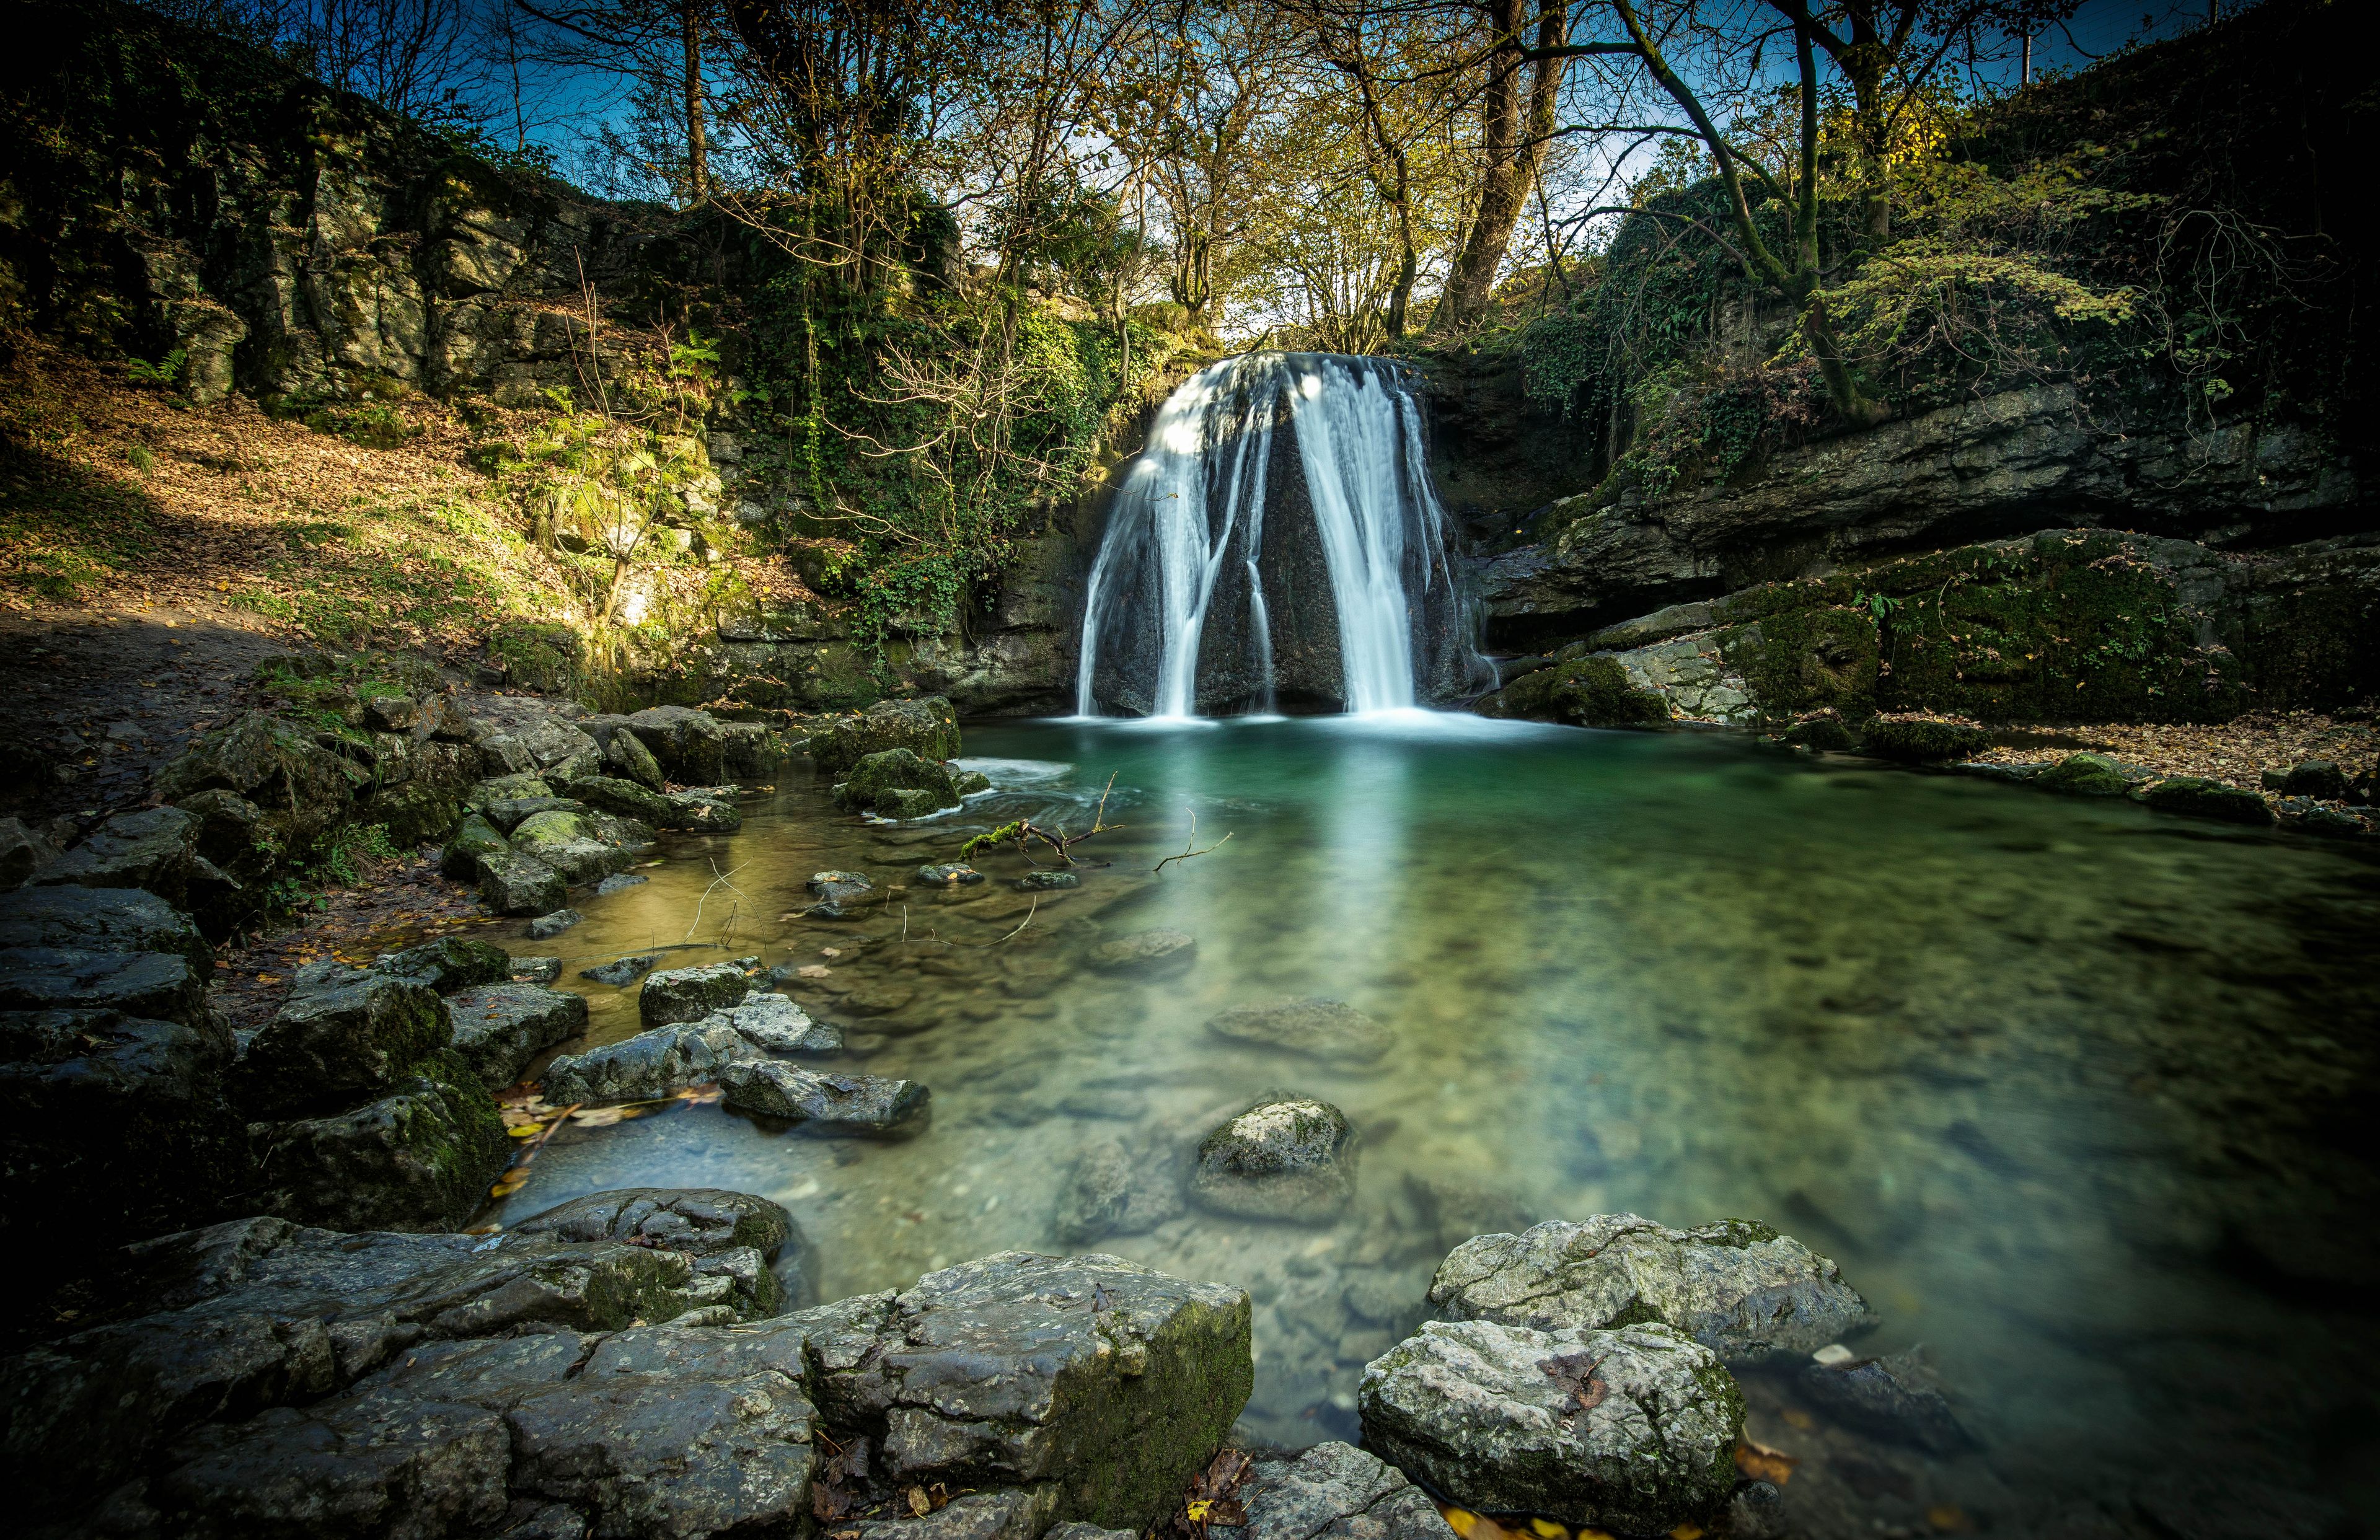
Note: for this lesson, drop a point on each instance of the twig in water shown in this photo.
(1025, 831)
(1186, 852)
(717, 881)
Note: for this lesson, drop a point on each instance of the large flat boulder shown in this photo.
(1738, 1288)
(153, 849)
(449, 964)
(99, 920)
(1631, 1430)
(686, 744)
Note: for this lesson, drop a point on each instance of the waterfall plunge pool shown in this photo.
(2068, 1087)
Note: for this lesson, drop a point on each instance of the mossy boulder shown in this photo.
(927, 728)
(897, 783)
(1824, 730)
(1922, 740)
(420, 1157)
(1585, 692)
(584, 847)
(2091, 775)
(474, 840)
(340, 1043)
(2201, 798)
(537, 655)
(413, 811)
(622, 798)
(517, 884)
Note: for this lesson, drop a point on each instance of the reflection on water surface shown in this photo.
(2074, 1092)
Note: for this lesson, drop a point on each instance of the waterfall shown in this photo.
(1206, 589)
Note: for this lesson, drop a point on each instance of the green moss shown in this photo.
(1799, 661)
(543, 656)
(1924, 741)
(2088, 775)
(2199, 797)
(1586, 692)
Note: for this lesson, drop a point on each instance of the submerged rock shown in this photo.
(864, 1104)
(1897, 1398)
(622, 970)
(1147, 951)
(1046, 881)
(1285, 1158)
(546, 927)
(500, 1027)
(1336, 1492)
(705, 810)
(840, 893)
(1113, 1191)
(1631, 1430)
(951, 875)
(650, 1064)
(1317, 1028)
(689, 994)
(1738, 1288)
(620, 882)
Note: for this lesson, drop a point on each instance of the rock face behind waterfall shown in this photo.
(1253, 463)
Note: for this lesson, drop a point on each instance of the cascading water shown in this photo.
(1209, 588)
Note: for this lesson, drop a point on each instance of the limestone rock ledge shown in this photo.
(256, 1377)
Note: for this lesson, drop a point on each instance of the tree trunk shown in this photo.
(1513, 154)
(697, 139)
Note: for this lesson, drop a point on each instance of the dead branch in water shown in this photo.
(1186, 852)
(1024, 831)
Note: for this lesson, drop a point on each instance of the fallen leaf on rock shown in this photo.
(1949, 1519)
(920, 1503)
(1760, 1462)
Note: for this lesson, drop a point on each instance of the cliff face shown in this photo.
(1754, 566)
(167, 191)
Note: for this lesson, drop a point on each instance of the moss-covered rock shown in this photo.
(1584, 692)
(1922, 740)
(927, 728)
(517, 884)
(898, 783)
(420, 1157)
(2200, 797)
(474, 840)
(1823, 730)
(2091, 775)
(543, 656)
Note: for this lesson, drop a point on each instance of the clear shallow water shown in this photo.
(2077, 1094)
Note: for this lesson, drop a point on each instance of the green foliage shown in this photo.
(164, 372)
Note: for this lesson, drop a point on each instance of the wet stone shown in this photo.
(1336, 1492)
(546, 927)
(703, 1221)
(619, 882)
(857, 1104)
(446, 964)
(652, 1063)
(1897, 1398)
(1017, 1513)
(535, 970)
(840, 893)
(622, 970)
(1114, 1190)
(1147, 951)
(776, 1024)
(1631, 1430)
(500, 1027)
(950, 875)
(1316, 1028)
(512, 882)
(1046, 881)
(1285, 1158)
(1737, 1287)
(689, 994)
